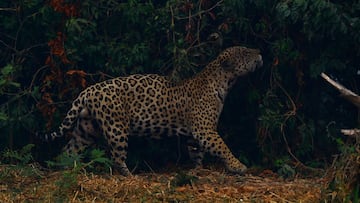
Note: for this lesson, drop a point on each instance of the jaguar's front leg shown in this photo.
(211, 142)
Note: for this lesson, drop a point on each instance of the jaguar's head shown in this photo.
(240, 60)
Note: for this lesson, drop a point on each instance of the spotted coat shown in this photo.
(150, 105)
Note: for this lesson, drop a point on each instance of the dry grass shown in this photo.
(344, 174)
(197, 185)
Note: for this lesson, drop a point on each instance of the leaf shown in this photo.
(79, 77)
(36, 92)
(7, 70)
(98, 156)
(283, 9)
(65, 160)
(78, 72)
(21, 157)
(3, 116)
(212, 15)
(15, 84)
(276, 61)
(2, 82)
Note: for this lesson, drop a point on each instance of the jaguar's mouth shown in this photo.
(259, 62)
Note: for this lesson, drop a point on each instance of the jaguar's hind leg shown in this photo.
(118, 142)
(196, 152)
(116, 130)
(82, 136)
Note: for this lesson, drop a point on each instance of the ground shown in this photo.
(194, 185)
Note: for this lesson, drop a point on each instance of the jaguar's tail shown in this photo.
(68, 122)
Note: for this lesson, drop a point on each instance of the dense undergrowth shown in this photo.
(282, 117)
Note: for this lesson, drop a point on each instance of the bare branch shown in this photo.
(346, 93)
(201, 12)
(351, 132)
(8, 9)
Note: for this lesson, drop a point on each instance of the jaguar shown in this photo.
(151, 105)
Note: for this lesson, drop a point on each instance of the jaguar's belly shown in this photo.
(159, 130)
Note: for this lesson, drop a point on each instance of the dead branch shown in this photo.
(344, 92)
(201, 12)
(351, 132)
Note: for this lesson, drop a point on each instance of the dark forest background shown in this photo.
(282, 113)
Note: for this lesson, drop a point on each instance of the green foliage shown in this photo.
(313, 37)
(23, 37)
(355, 193)
(344, 173)
(66, 184)
(75, 161)
(20, 157)
(75, 166)
(286, 171)
(116, 48)
(5, 79)
(65, 160)
(18, 162)
(99, 157)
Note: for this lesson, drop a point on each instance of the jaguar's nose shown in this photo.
(259, 62)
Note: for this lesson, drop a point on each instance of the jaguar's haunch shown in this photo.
(150, 105)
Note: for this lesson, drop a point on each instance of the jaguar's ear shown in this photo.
(227, 65)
